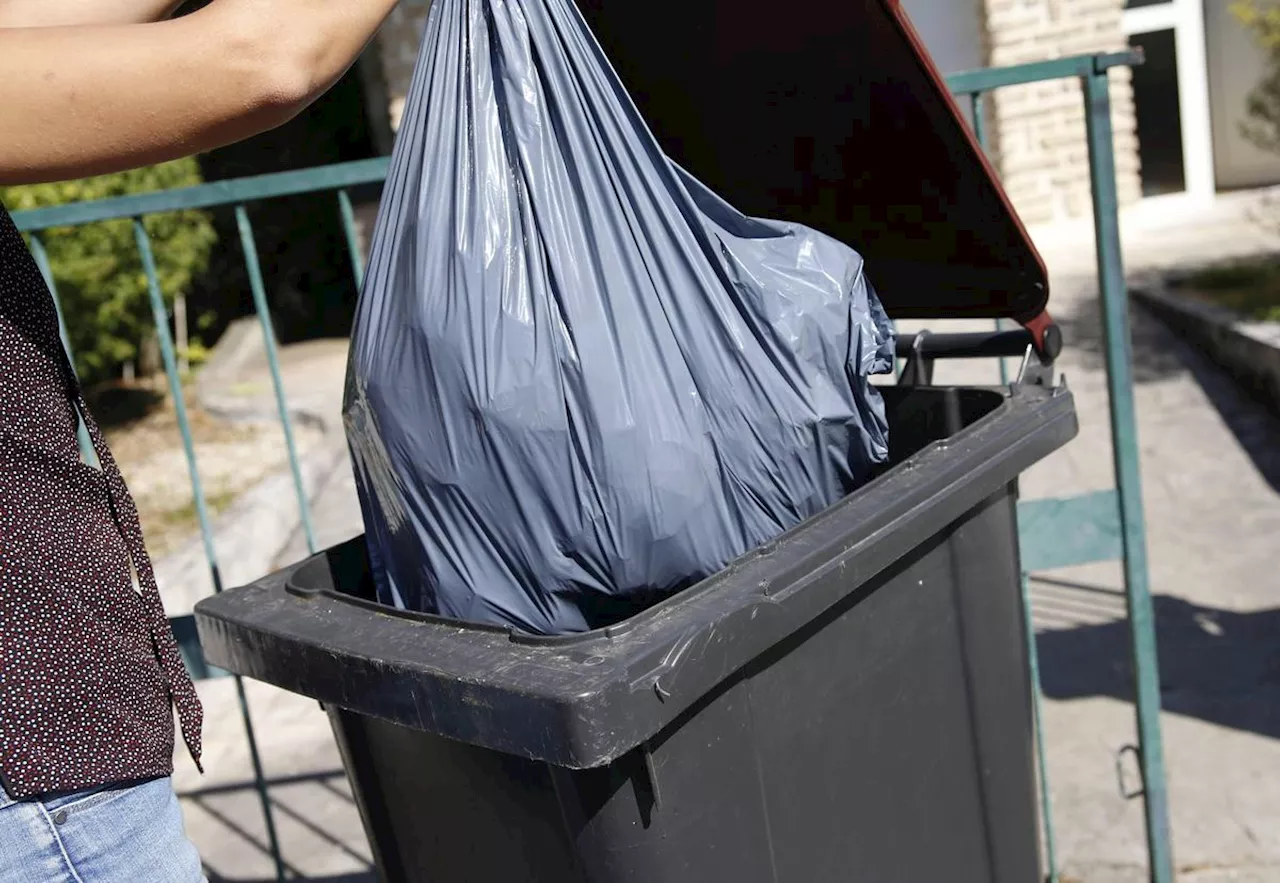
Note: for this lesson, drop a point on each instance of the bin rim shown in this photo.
(313, 577)
(582, 703)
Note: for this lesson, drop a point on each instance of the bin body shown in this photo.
(850, 703)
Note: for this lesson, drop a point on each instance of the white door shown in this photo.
(1171, 92)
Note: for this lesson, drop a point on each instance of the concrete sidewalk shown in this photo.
(1211, 471)
(1211, 481)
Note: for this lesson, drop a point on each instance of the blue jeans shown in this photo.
(115, 834)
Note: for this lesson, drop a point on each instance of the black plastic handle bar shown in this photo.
(964, 344)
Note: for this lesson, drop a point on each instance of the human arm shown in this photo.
(56, 13)
(79, 101)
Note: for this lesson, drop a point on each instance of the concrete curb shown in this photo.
(240, 411)
(1248, 351)
(239, 343)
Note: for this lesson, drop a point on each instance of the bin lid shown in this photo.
(833, 115)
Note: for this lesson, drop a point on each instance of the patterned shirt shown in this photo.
(88, 664)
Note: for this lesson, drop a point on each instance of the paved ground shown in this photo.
(1211, 469)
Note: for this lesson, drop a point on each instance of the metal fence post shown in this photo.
(46, 270)
(161, 316)
(1124, 447)
(259, 290)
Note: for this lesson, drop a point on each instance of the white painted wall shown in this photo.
(952, 31)
(1236, 64)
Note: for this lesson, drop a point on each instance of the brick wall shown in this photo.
(1038, 130)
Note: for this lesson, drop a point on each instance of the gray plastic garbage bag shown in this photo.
(579, 381)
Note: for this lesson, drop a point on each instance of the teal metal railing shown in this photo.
(239, 194)
(1102, 526)
(1109, 525)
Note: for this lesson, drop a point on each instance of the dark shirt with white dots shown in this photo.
(89, 667)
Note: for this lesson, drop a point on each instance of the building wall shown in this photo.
(1236, 65)
(1038, 132)
(953, 31)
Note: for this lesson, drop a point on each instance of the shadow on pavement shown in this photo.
(1216, 665)
(1249, 420)
(1158, 354)
(323, 778)
(331, 783)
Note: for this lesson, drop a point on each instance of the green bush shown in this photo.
(1250, 288)
(1262, 18)
(99, 276)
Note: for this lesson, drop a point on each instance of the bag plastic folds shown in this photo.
(579, 381)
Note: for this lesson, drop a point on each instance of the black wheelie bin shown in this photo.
(851, 702)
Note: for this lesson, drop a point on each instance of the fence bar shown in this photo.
(41, 256)
(353, 243)
(990, 79)
(1004, 368)
(256, 285)
(1124, 445)
(161, 316)
(977, 109)
(331, 177)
